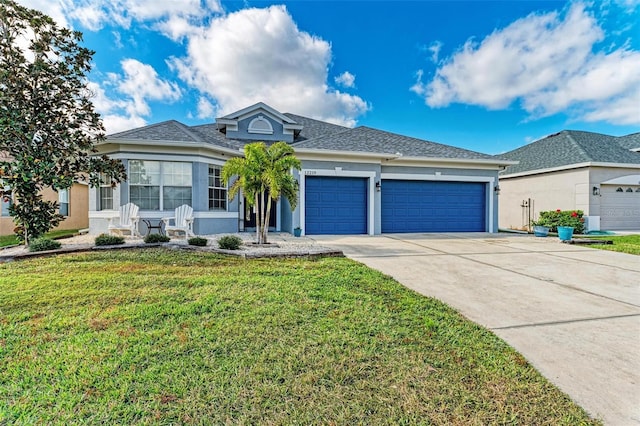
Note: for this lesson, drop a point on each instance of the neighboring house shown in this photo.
(353, 181)
(596, 173)
(74, 206)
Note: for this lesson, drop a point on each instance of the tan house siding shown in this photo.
(564, 190)
(78, 210)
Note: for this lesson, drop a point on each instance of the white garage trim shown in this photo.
(624, 180)
(452, 178)
(338, 173)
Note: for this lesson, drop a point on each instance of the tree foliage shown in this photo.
(264, 175)
(48, 126)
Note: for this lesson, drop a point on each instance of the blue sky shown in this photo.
(489, 76)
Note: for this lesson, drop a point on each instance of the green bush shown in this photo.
(554, 218)
(197, 241)
(44, 244)
(109, 240)
(156, 238)
(230, 242)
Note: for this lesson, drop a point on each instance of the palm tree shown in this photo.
(264, 172)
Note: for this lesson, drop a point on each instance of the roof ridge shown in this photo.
(577, 144)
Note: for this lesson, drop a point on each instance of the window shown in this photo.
(159, 185)
(217, 190)
(6, 203)
(260, 125)
(106, 194)
(63, 201)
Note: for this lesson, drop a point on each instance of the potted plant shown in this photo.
(540, 228)
(564, 222)
(297, 231)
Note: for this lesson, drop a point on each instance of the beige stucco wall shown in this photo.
(566, 190)
(78, 210)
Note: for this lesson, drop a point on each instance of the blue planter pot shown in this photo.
(565, 233)
(297, 232)
(540, 231)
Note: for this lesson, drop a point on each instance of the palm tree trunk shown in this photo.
(256, 209)
(266, 222)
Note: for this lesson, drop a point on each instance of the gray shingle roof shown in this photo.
(314, 128)
(314, 135)
(167, 130)
(631, 141)
(566, 148)
(366, 139)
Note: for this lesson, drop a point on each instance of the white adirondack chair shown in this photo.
(126, 221)
(182, 222)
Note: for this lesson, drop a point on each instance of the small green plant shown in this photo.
(44, 244)
(109, 240)
(156, 238)
(230, 242)
(197, 241)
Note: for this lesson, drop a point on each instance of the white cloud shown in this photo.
(547, 63)
(173, 18)
(346, 79)
(260, 55)
(206, 109)
(139, 84)
(434, 48)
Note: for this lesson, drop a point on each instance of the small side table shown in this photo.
(151, 226)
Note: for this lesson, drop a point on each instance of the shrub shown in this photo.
(230, 242)
(554, 218)
(156, 238)
(109, 240)
(44, 244)
(197, 241)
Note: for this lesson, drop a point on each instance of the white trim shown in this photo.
(155, 214)
(260, 118)
(623, 180)
(490, 181)
(570, 167)
(338, 173)
(243, 113)
(168, 157)
(161, 146)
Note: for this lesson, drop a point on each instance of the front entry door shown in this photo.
(250, 215)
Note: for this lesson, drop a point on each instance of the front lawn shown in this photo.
(622, 243)
(12, 240)
(165, 337)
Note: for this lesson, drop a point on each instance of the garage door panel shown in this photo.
(433, 206)
(619, 210)
(335, 205)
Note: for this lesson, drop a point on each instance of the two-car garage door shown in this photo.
(340, 205)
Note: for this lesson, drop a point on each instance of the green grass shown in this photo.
(12, 240)
(622, 243)
(164, 337)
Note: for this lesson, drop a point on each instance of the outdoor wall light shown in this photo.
(596, 190)
(496, 189)
(378, 186)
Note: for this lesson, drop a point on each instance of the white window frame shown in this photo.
(222, 187)
(63, 199)
(162, 180)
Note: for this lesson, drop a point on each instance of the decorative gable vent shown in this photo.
(261, 126)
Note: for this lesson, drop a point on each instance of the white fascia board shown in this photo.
(158, 146)
(495, 163)
(624, 180)
(570, 167)
(251, 110)
(225, 121)
(288, 126)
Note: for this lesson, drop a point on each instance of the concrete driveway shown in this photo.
(573, 312)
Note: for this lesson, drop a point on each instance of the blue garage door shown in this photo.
(335, 205)
(427, 206)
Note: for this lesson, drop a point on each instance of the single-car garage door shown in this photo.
(335, 205)
(619, 207)
(433, 206)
